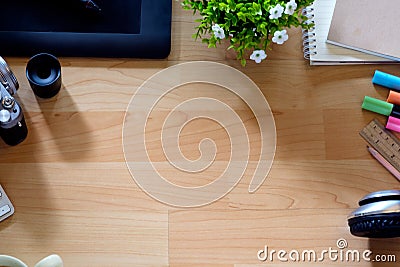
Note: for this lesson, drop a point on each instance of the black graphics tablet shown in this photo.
(123, 28)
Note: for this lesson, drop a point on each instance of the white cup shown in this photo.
(50, 261)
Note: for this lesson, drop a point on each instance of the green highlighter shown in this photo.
(377, 105)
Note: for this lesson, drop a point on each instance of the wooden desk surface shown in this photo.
(74, 195)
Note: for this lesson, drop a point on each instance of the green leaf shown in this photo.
(239, 6)
(240, 17)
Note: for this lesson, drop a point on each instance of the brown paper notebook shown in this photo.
(369, 26)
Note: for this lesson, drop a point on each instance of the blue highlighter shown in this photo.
(386, 80)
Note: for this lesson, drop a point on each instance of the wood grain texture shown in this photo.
(74, 195)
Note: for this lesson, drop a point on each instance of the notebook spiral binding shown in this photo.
(308, 35)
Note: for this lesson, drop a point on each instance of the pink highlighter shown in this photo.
(393, 122)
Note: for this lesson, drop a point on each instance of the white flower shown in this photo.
(254, 30)
(290, 7)
(216, 27)
(258, 55)
(280, 37)
(276, 12)
(218, 31)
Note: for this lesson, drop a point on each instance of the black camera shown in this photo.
(13, 128)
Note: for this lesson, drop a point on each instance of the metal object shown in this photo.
(7, 78)
(380, 195)
(5, 116)
(8, 102)
(13, 128)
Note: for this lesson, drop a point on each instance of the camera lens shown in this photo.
(7, 77)
(44, 75)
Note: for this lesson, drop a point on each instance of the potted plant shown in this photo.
(250, 26)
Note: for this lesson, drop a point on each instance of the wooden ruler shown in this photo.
(383, 141)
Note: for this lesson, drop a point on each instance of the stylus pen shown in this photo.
(90, 5)
(384, 162)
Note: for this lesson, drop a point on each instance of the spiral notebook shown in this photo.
(370, 27)
(318, 51)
